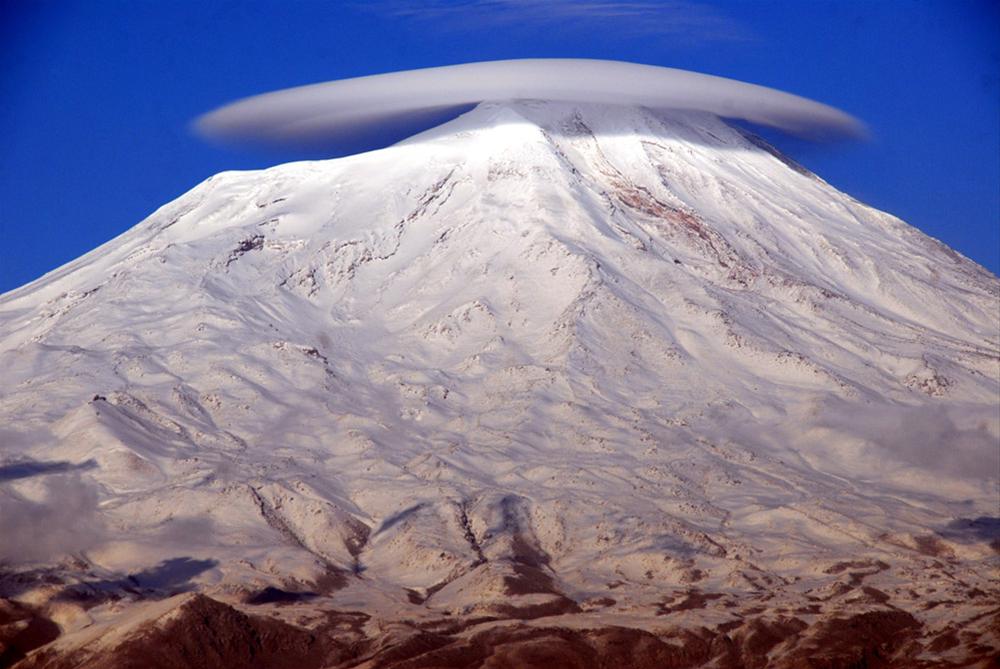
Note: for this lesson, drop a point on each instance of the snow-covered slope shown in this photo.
(544, 360)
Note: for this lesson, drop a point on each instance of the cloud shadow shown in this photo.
(166, 579)
(984, 529)
(28, 469)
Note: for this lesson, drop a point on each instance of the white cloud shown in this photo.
(66, 522)
(355, 107)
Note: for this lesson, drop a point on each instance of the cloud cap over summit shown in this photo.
(350, 110)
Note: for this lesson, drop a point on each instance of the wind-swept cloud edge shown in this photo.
(680, 19)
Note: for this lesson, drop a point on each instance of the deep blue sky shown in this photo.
(96, 96)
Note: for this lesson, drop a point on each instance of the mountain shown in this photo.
(548, 385)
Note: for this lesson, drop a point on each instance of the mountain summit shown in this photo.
(605, 383)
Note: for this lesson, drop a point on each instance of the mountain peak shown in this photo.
(570, 119)
(544, 357)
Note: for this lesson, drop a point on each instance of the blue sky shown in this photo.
(96, 97)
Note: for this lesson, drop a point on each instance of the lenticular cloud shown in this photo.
(353, 109)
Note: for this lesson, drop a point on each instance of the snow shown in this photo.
(599, 345)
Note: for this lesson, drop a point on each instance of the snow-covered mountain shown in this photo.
(550, 378)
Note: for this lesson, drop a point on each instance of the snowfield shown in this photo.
(548, 366)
